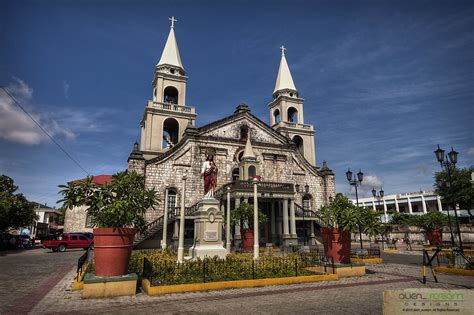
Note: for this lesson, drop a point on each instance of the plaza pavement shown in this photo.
(362, 295)
(26, 276)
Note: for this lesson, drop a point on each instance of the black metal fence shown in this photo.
(82, 263)
(212, 270)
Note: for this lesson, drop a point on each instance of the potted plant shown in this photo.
(339, 219)
(243, 215)
(433, 223)
(117, 210)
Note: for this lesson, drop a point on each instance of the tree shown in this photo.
(15, 210)
(462, 191)
(243, 215)
(121, 203)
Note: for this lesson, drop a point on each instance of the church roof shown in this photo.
(284, 79)
(170, 55)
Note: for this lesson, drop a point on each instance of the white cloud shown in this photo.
(470, 152)
(16, 126)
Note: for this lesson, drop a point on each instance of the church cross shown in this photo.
(172, 19)
(282, 48)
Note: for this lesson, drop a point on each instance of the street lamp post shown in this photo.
(449, 165)
(353, 181)
(380, 196)
(256, 248)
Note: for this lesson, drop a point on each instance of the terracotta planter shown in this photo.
(337, 244)
(435, 237)
(247, 239)
(112, 250)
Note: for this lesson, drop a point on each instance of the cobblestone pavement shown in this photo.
(360, 295)
(27, 275)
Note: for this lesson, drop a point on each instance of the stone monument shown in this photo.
(208, 218)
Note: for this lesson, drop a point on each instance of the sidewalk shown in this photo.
(348, 295)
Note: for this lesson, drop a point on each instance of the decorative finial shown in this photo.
(282, 48)
(172, 19)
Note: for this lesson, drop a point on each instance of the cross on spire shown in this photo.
(172, 19)
(282, 48)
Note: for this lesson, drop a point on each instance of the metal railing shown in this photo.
(446, 257)
(212, 270)
(82, 264)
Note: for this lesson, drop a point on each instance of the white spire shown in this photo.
(170, 55)
(248, 152)
(284, 79)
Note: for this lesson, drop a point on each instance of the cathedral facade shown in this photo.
(280, 153)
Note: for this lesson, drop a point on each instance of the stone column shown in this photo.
(286, 232)
(423, 203)
(292, 219)
(396, 205)
(440, 205)
(373, 205)
(410, 210)
(181, 223)
(255, 220)
(165, 222)
(246, 200)
(385, 209)
(272, 222)
(227, 226)
(175, 232)
(311, 236)
(237, 236)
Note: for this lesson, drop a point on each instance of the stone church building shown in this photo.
(281, 153)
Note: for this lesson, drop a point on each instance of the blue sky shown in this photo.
(383, 81)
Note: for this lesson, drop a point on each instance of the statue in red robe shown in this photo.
(209, 174)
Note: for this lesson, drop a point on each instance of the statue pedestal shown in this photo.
(208, 231)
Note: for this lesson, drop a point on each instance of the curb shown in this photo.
(195, 287)
(367, 260)
(455, 271)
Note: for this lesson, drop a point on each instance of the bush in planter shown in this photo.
(117, 210)
(339, 219)
(243, 215)
(433, 223)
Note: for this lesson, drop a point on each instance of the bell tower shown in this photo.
(166, 115)
(286, 112)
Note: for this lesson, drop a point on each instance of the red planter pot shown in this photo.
(247, 239)
(337, 244)
(112, 250)
(435, 237)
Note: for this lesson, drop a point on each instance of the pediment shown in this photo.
(231, 129)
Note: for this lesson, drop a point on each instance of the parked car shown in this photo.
(68, 240)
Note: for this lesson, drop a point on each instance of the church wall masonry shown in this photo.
(276, 162)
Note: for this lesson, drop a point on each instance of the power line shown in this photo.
(45, 132)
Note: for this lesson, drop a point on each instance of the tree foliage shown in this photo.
(461, 192)
(343, 214)
(431, 220)
(120, 203)
(15, 210)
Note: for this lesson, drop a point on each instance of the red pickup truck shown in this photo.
(69, 240)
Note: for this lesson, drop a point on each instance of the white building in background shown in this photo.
(416, 203)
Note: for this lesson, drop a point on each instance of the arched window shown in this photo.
(299, 143)
(292, 115)
(170, 132)
(170, 95)
(172, 201)
(252, 171)
(307, 202)
(276, 114)
(235, 174)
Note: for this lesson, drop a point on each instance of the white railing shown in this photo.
(172, 107)
(294, 125)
